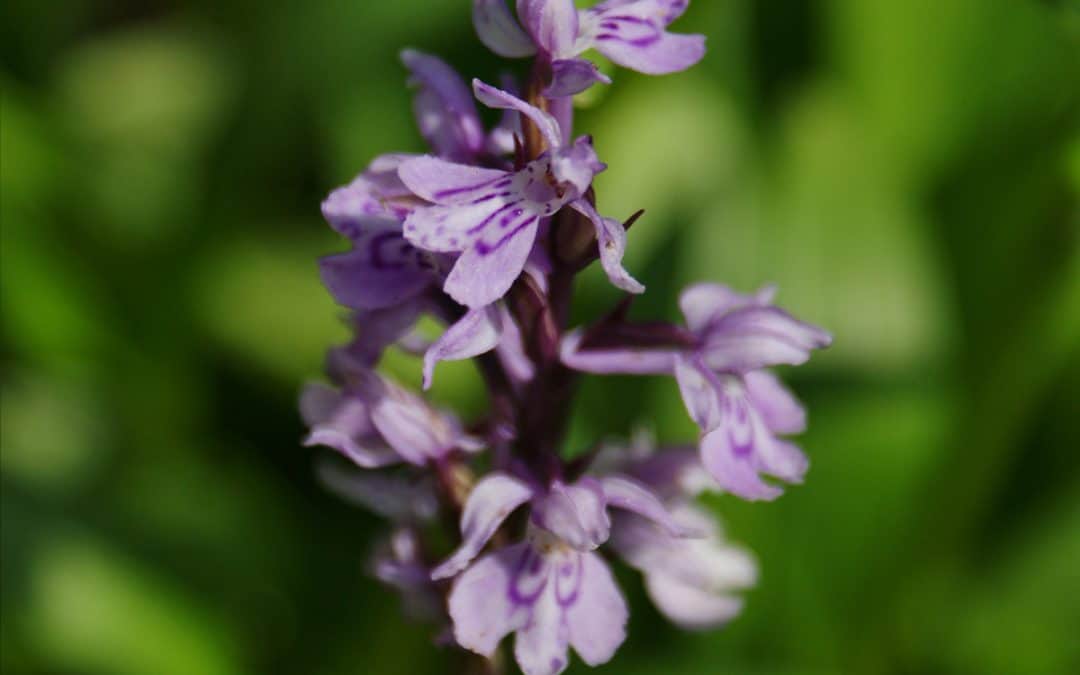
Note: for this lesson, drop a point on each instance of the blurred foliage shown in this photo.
(907, 170)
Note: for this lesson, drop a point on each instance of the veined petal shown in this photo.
(596, 621)
(453, 228)
(444, 107)
(611, 239)
(553, 25)
(482, 605)
(499, 31)
(486, 271)
(628, 494)
(382, 270)
(778, 407)
(751, 338)
(573, 76)
(540, 647)
(493, 97)
(475, 333)
(491, 501)
(633, 35)
(615, 361)
(442, 182)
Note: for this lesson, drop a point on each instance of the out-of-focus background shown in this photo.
(907, 171)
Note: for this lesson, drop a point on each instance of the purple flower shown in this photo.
(692, 581)
(382, 269)
(375, 423)
(492, 217)
(739, 407)
(632, 33)
(551, 590)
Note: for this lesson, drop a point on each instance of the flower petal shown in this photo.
(611, 239)
(493, 97)
(576, 514)
(778, 407)
(490, 502)
(553, 25)
(690, 607)
(752, 338)
(349, 431)
(704, 303)
(411, 428)
(475, 333)
(540, 647)
(318, 403)
(481, 604)
(453, 228)
(485, 272)
(596, 621)
(442, 182)
(499, 31)
(699, 392)
(615, 361)
(445, 110)
(628, 494)
(382, 270)
(511, 349)
(573, 76)
(656, 54)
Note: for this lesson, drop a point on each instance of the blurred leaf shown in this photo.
(94, 611)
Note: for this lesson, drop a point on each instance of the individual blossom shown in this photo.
(492, 217)
(695, 582)
(741, 408)
(632, 33)
(551, 590)
(375, 423)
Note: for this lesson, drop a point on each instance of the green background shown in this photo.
(907, 171)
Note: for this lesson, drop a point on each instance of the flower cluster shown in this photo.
(486, 235)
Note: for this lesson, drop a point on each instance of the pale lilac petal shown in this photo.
(778, 407)
(704, 303)
(752, 338)
(576, 164)
(395, 496)
(349, 431)
(382, 270)
(411, 428)
(573, 76)
(475, 333)
(481, 604)
(553, 25)
(499, 30)
(485, 272)
(628, 494)
(611, 239)
(540, 647)
(699, 392)
(689, 607)
(729, 460)
(511, 349)
(442, 182)
(615, 361)
(669, 53)
(493, 97)
(575, 514)
(375, 330)
(454, 228)
(444, 107)
(491, 501)
(374, 196)
(597, 619)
